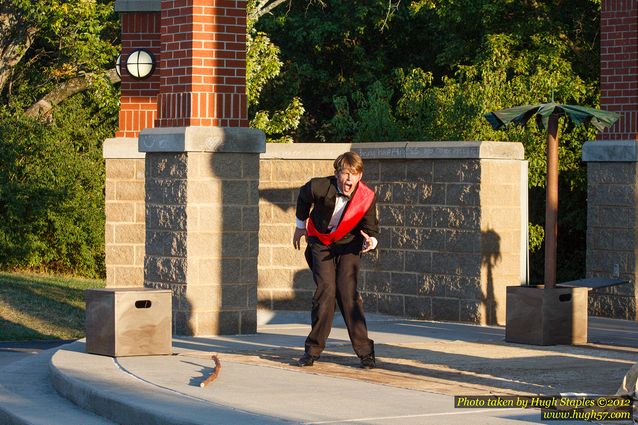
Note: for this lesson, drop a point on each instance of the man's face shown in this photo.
(347, 180)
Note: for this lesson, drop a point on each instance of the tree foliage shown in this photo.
(58, 105)
(262, 66)
(51, 190)
(336, 48)
(53, 41)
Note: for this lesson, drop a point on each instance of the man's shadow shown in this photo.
(299, 292)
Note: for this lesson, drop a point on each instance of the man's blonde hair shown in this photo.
(349, 160)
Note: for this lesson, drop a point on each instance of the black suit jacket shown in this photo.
(317, 200)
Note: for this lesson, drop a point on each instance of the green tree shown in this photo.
(507, 76)
(51, 190)
(262, 66)
(373, 118)
(53, 49)
(336, 48)
(58, 104)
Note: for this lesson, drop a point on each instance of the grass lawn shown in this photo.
(35, 306)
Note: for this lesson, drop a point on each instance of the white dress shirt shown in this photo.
(340, 205)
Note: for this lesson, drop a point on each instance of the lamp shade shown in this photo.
(118, 66)
(140, 63)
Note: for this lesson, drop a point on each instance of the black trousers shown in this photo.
(335, 274)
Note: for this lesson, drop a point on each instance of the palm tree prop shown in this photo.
(547, 115)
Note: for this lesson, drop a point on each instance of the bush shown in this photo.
(52, 191)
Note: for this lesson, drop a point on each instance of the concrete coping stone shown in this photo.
(202, 139)
(138, 5)
(121, 148)
(399, 150)
(610, 151)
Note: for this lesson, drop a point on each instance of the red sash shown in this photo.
(359, 205)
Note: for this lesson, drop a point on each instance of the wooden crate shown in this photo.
(128, 321)
(542, 316)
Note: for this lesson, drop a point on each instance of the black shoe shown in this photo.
(368, 361)
(307, 360)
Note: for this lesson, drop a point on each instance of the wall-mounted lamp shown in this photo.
(118, 66)
(140, 64)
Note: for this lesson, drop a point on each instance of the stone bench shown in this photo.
(592, 283)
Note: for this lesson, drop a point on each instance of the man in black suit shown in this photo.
(338, 217)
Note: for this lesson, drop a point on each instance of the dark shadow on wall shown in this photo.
(285, 200)
(238, 174)
(617, 302)
(490, 257)
(164, 200)
(224, 248)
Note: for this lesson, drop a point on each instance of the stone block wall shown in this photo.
(202, 238)
(504, 227)
(453, 227)
(611, 237)
(612, 225)
(612, 191)
(125, 215)
(285, 283)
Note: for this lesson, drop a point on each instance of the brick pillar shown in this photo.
(619, 66)
(138, 99)
(612, 166)
(203, 74)
(202, 172)
(124, 185)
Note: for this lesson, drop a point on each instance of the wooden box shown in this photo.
(128, 321)
(542, 316)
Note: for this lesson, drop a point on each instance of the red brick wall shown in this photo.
(138, 100)
(203, 65)
(619, 66)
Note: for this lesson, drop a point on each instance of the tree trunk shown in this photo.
(42, 108)
(14, 43)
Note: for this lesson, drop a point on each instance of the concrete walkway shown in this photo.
(421, 366)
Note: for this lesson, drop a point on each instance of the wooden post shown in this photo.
(551, 203)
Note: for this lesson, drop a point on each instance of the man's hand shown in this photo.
(296, 239)
(369, 242)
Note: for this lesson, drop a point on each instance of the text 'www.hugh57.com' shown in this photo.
(581, 408)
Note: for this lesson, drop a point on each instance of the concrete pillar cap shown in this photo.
(610, 151)
(202, 139)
